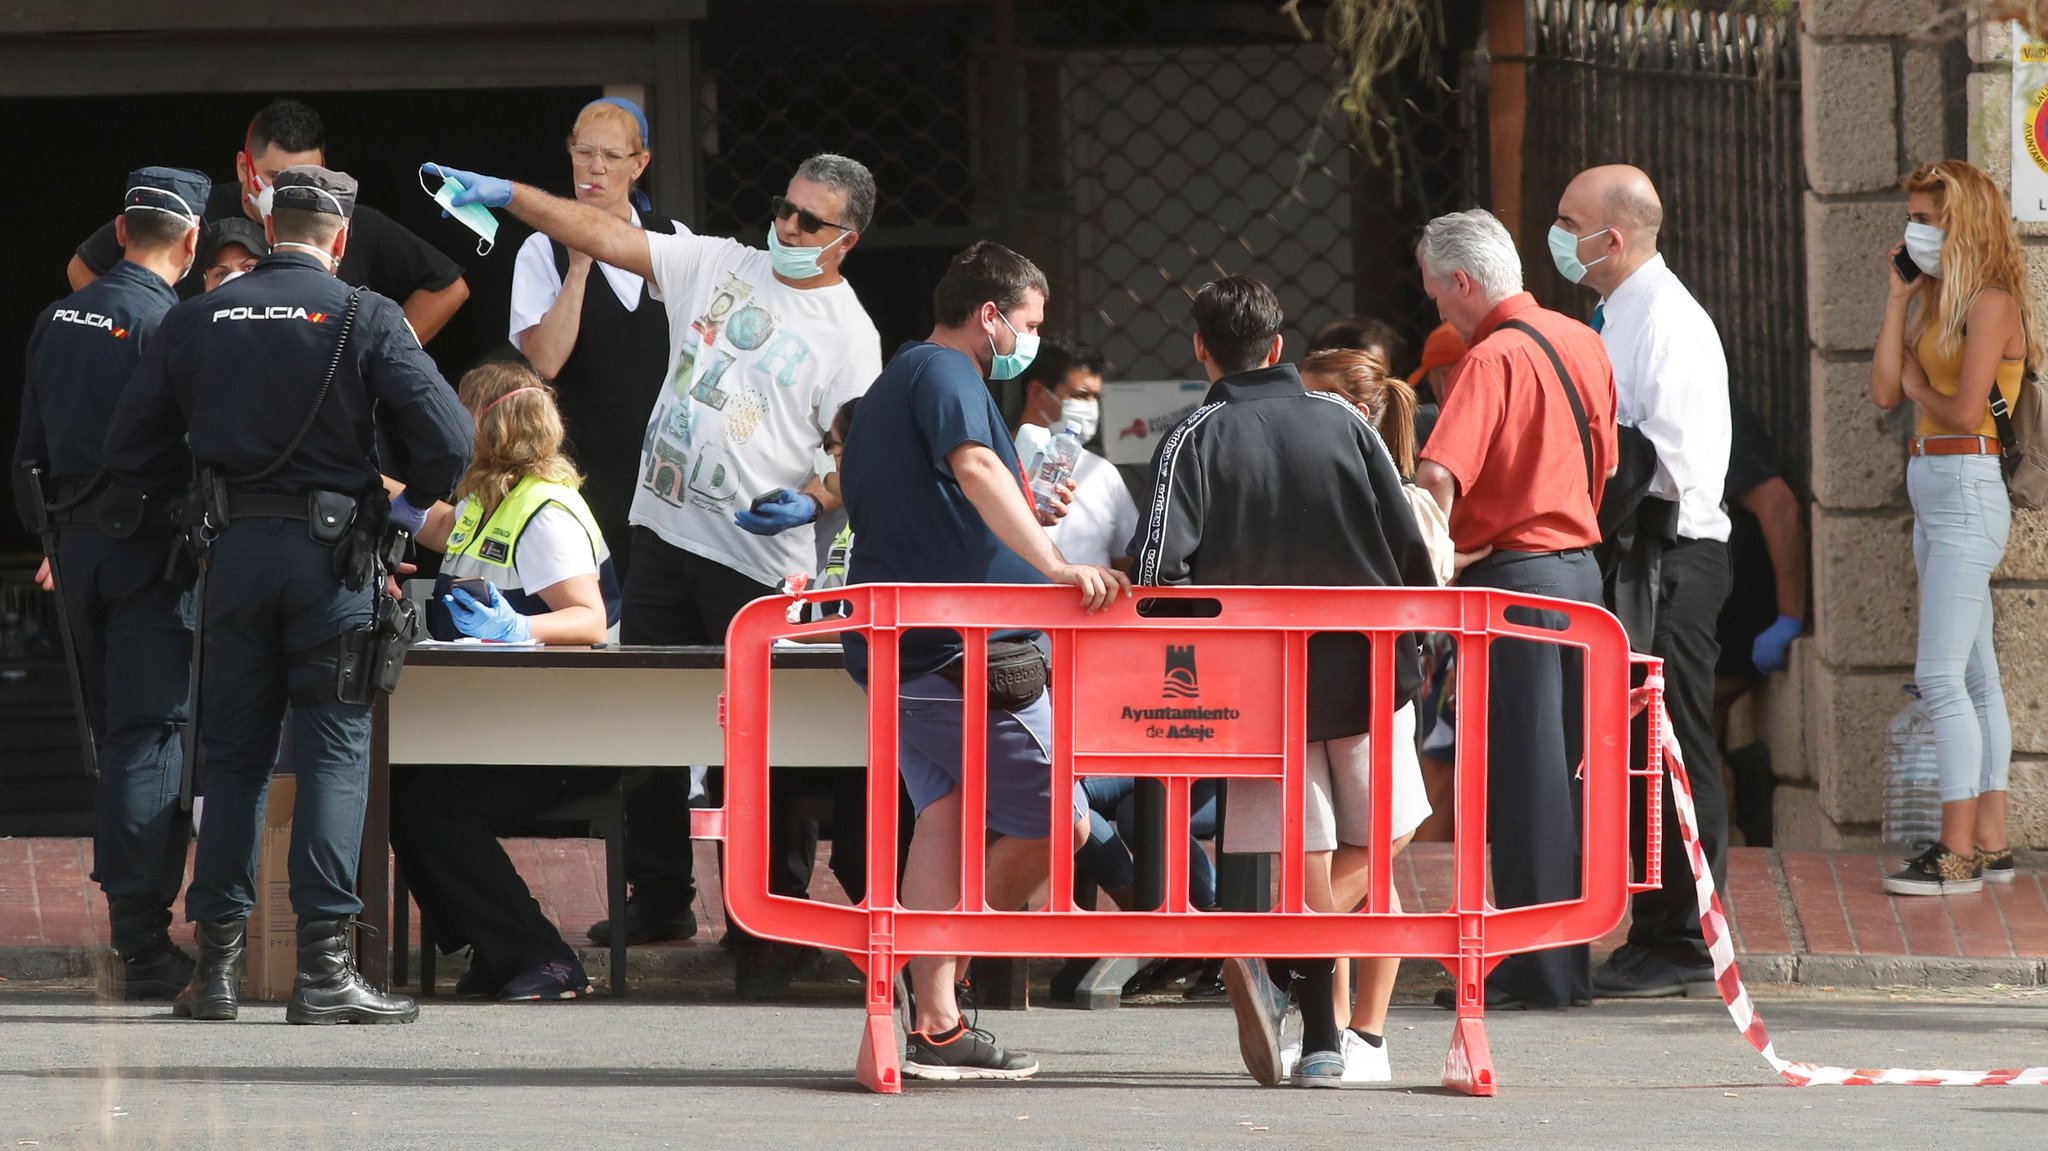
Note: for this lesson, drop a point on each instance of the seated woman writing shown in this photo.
(520, 528)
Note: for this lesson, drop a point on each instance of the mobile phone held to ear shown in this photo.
(477, 589)
(1908, 270)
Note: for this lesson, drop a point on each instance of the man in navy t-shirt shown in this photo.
(935, 495)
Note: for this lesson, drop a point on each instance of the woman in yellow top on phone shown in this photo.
(1959, 321)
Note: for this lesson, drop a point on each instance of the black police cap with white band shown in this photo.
(181, 192)
(312, 188)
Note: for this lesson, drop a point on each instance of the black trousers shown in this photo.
(1691, 589)
(445, 826)
(675, 597)
(1535, 742)
(672, 597)
(134, 637)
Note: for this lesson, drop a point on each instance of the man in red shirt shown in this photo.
(1520, 466)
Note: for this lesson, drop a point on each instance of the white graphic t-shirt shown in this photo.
(756, 371)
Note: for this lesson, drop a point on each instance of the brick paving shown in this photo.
(1792, 903)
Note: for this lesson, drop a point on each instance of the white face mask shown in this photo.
(1084, 414)
(1923, 243)
(262, 198)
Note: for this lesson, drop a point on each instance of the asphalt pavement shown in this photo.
(696, 1073)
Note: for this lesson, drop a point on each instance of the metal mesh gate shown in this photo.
(1706, 102)
(1134, 148)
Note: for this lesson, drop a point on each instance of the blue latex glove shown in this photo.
(1768, 652)
(786, 508)
(490, 191)
(405, 515)
(496, 620)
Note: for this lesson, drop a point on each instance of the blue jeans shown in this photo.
(1106, 857)
(1961, 517)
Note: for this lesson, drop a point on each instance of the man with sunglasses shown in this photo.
(764, 348)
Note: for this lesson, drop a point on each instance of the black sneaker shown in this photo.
(1937, 871)
(1997, 865)
(963, 1053)
(555, 979)
(647, 922)
(477, 982)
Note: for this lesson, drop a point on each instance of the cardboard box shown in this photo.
(273, 953)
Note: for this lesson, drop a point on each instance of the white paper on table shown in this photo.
(472, 641)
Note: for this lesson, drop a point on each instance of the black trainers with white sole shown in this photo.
(963, 1053)
(1937, 871)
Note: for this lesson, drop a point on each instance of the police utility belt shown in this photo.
(118, 513)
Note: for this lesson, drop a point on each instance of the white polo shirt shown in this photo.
(1671, 384)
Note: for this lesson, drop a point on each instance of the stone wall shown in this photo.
(1873, 95)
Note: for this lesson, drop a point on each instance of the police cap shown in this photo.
(181, 192)
(232, 230)
(312, 188)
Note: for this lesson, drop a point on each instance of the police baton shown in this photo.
(46, 528)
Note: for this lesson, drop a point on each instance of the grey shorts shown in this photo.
(929, 743)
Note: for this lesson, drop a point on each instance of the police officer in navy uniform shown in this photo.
(273, 380)
(111, 544)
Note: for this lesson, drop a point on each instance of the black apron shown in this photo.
(606, 391)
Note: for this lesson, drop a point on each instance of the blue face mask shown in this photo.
(796, 263)
(1564, 252)
(1011, 364)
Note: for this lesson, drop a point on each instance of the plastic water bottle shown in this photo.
(1912, 783)
(1055, 467)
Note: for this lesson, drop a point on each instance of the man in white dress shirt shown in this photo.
(1671, 380)
(1063, 386)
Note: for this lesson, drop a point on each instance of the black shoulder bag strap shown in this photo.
(1571, 393)
(2008, 439)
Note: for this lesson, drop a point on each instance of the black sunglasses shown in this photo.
(810, 224)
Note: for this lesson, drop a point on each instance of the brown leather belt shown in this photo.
(1954, 446)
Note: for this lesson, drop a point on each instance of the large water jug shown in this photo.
(1912, 784)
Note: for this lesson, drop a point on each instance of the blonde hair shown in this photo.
(515, 439)
(1361, 377)
(1980, 249)
(600, 112)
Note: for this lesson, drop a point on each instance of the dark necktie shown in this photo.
(1599, 319)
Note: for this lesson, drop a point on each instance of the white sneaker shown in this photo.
(1364, 1063)
(1290, 1045)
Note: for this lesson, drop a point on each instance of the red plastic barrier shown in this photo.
(1180, 699)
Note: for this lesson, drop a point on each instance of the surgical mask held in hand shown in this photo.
(475, 217)
(1923, 243)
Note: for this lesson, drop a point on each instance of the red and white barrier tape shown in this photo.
(1715, 926)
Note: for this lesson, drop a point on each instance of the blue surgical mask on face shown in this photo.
(793, 262)
(1564, 252)
(1011, 364)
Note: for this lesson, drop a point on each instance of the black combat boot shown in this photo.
(214, 992)
(329, 989)
(151, 967)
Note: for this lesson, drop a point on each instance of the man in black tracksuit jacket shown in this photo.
(1269, 484)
